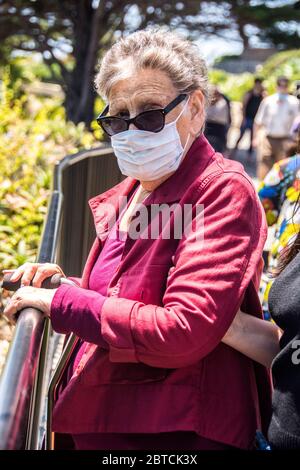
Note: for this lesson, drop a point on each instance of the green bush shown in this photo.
(34, 135)
(284, 63)
(234, 86)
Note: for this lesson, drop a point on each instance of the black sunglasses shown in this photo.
(152, 120)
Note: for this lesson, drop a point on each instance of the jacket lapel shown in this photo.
(105, 207)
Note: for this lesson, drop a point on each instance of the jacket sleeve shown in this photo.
(76, 280)
(205, 287)
(78, 310)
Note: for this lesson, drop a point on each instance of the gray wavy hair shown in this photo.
(156, 49)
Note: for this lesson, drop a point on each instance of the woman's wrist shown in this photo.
(60, 316)
(78, 310)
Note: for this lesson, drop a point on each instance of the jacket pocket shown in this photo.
(101, 371)
(146, 285)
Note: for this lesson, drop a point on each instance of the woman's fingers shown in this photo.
(41, 274)
(11, 309)
(28, 275)
(34, 273)
(44, 271)
(17, 274)
(24, 272)
(18, 302)
(29, 297)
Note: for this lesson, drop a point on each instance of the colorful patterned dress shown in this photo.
(279, 193)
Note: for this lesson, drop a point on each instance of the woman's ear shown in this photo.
(197, 109)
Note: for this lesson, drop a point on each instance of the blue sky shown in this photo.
(212, 48)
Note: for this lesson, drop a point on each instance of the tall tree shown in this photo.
(71, 34)
(268, 22)
(274, 23)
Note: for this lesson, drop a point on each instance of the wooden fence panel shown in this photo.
(81, 182)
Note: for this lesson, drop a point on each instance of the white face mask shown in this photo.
(147, 156)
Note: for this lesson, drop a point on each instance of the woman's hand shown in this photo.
(29, 297)
(34, 273)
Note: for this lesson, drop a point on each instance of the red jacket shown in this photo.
(168, 307)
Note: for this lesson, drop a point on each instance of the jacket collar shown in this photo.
(105, 206)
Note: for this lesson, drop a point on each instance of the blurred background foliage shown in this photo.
(72, 35)
(34, 134)
(234, 86)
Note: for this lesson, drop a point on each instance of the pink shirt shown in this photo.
(101, 275)
(62, 304)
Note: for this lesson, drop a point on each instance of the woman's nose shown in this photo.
(132, 114)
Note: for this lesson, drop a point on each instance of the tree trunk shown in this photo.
(244, 37)
(74, 92)
(79, 86)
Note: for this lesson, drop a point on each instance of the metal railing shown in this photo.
(18, 379)
(24, 381)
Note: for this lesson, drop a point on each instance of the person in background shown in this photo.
(273, 121)
(297, 89)
(279, 192)
(228, 107)
(295, 128)
(284, 304)
(251, 102)
(218, 120)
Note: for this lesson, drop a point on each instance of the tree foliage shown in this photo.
(72, 34)
(33, 136)
(272, 23)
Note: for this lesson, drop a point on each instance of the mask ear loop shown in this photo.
(182, 111)
(179, 115)
(189, 134)
(185, 145)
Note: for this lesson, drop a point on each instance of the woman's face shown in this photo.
(150, 89)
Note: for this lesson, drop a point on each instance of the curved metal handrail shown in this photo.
(23, 381)
(24, 350)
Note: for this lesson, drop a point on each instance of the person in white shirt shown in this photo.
(273, 122)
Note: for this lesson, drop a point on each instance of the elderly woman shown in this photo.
(150, 369)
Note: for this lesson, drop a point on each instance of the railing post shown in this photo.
(39, 392)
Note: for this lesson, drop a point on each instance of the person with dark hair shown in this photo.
(280, 195)
(283, 206)
(284, 304)
(251, 102)
(297, 89)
